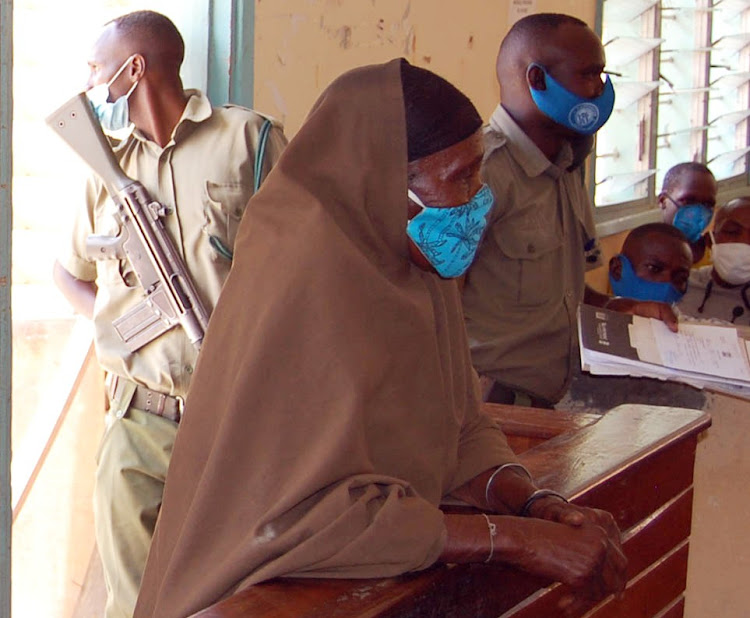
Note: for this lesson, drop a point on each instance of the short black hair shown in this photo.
(538, 26)
(640, 232)
(438, 114)
(673, 175)
(155, 30)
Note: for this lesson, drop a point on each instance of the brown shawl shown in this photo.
(334, 403)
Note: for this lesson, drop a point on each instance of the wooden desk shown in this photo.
(635, 461)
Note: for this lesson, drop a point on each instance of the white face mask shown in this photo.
(731, 261)
(113, 116)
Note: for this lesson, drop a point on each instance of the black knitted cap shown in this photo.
(438, 114)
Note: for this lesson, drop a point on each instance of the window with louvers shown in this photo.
(682, 82)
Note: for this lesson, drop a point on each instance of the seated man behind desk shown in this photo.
(720, 290)
(687, 201)
(522, 293)
(654, 264)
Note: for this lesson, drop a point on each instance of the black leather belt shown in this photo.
(147, 400)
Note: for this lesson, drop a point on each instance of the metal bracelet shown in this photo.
(499, 469)
(538, 495)
(493, 533)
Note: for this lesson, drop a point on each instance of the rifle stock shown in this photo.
(170, 296)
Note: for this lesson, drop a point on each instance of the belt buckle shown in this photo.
(180, 407)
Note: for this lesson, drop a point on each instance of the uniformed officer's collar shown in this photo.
(197, 109)
(526, 152)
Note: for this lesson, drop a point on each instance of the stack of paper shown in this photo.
(703, 355)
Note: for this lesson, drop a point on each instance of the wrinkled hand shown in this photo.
(647, 309)
(554, 509)
(584, 557)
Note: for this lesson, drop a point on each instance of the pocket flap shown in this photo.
(527, 244)
(230, 198)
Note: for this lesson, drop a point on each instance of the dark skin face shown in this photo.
(575, 60)
(658, 258)
(574, 57)
(690, 188)
(106, 57)
(449, 177)
(157, 103)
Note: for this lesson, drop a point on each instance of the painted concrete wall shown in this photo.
(302, 45)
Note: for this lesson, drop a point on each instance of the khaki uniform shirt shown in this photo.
(204, 175)
(522, 292)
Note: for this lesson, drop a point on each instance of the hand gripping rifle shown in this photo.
(171, 297)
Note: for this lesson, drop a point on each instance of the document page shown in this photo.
(713, 350)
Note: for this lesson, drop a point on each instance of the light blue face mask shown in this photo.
(692, 220)
(631, 285)
(449, 237)
(113, 116)
(584, 116)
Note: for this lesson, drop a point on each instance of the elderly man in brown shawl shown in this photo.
(334, 404)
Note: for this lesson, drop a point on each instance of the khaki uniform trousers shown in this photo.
(131, 469)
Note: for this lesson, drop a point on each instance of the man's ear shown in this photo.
(615, 268)
(662, 198)
(137, 67)
(535, 77)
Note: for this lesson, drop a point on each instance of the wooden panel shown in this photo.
(652, 591)
(658, 534)
(633, 493)
(446, 591)
(676, 609)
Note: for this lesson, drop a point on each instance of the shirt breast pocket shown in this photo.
(535, 264)
(223, 207)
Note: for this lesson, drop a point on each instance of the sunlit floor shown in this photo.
(52, 541)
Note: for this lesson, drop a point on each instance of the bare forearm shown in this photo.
(584, 557)
(80, 294)
(505, 494)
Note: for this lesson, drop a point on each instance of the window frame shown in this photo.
(621, 216)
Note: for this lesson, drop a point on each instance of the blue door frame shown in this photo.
(231, 47)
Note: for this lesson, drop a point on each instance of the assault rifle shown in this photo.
(171, 297)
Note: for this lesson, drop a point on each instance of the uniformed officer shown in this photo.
(199, 162)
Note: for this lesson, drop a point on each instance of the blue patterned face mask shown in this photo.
(692, 220)
(584, 116)
(113, 116)
(631, 285)
(449, 237)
